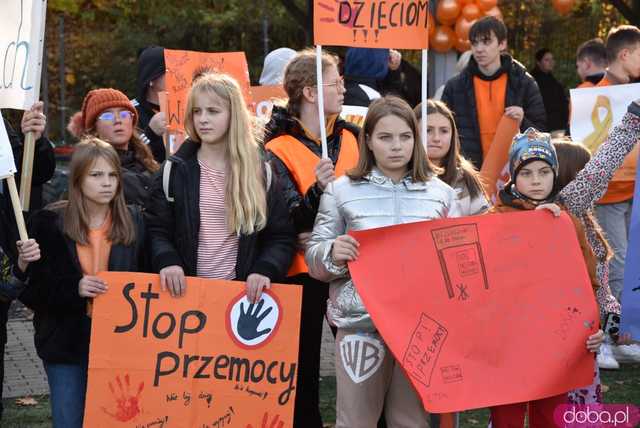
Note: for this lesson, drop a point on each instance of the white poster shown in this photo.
(595, 111)
(21, 43)
(354, 114)
(7, 164)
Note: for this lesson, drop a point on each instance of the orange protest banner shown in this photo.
(400, 24)
(208, 359)
(495, 167)
(263, 98)
(181, 66)
(471, 307)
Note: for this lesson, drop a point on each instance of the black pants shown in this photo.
(314, 307)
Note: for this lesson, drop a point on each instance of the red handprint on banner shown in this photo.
(275, 423)
(127, 405)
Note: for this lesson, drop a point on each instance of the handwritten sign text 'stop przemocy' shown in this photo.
(400, 24)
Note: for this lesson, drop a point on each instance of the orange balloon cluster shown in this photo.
(454, 20)
(563, 7)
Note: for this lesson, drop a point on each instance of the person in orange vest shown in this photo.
(613, 211)
(294, 149)
(591, 62)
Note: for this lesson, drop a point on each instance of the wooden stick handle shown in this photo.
(17, 209)
(27, 170)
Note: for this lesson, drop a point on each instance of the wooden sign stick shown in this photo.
(17, 209)
(27, 171)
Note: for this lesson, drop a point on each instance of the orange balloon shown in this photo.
(447, 11)
(463, 3)
(486, 4)
(471, 11)
(443, 39)
(563, 7)
(431, 25)
(462, 45)
(463, 26)
(495, 12)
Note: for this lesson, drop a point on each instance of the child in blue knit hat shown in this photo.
(533, 165)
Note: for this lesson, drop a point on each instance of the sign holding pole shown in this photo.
(7, 170)
(423, 103)
(22, 26)
(323, 131)
(402, 24)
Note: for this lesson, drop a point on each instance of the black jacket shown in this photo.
(136, 180)
(302, 208)
(522, 91)
(155, 142)
(62, 328)
(174, 226)
(554, 96)
(44, 165)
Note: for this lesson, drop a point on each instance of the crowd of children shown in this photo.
(260, 205)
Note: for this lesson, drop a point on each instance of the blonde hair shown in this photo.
(76, 217)
(245, 193)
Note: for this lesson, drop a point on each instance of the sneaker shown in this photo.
(605, 358)
(626, 353)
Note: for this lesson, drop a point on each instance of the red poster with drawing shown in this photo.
(400, 24)
(208, 359)
(181, 66)
(481, 311)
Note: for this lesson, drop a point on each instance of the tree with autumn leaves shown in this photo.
(94, 43)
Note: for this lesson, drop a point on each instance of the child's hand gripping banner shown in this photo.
(207, 359)
(595, 111)
(400, 24)
(481, 311)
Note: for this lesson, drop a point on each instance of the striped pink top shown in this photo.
(217, 245)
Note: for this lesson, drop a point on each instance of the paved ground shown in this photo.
(24, 374)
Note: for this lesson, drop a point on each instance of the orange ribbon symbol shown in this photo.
(601, 127)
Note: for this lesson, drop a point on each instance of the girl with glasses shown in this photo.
(294, 148)
(109, 115)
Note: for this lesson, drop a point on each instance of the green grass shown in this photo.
(622, 386)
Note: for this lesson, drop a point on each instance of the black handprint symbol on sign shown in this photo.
(249, 321)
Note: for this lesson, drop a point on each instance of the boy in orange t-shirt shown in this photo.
(491, 86)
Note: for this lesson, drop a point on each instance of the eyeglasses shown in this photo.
(109, 116)
(339, 84)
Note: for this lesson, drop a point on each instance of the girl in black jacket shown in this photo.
(91, 232)
(215, 211)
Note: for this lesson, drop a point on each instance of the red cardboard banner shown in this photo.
(481, 311)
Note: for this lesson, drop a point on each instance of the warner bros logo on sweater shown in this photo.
(361, 356)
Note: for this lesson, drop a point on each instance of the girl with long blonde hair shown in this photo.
(215, 211)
